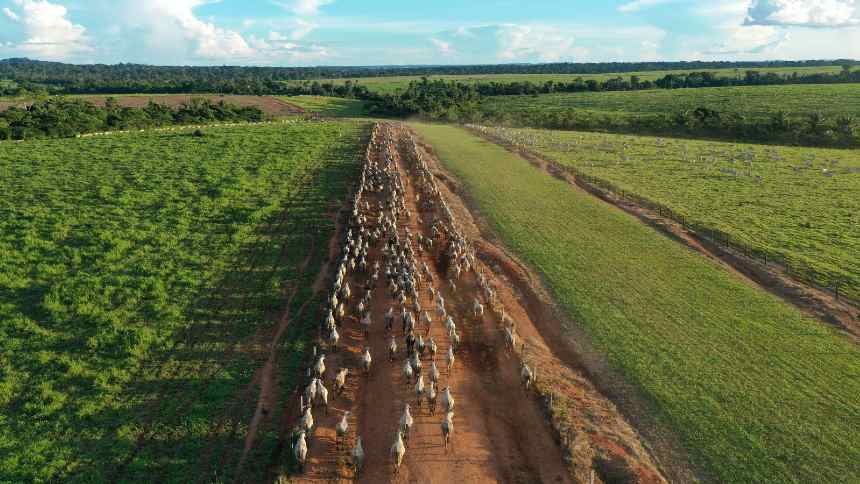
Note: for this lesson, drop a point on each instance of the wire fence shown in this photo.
(833, 282)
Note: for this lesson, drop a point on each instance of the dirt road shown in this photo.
(501, 432)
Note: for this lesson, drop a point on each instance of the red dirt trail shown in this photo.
(501, 432)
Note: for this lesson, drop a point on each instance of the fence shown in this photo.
(796, 268)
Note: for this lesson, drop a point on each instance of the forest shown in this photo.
(59, 78)
(65, 117)
(439, 100)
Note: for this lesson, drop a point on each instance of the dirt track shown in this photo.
(501, 433)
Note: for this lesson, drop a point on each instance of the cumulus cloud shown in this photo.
(176, 32)
(755, 39)
(444, 48)
(806, 13)
(170, 24)
(277, 46)
(50, 35)
(542, 42)
(303, 7)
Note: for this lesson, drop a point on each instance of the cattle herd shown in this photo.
(385, 253)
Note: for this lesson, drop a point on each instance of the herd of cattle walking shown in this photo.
(380, 252)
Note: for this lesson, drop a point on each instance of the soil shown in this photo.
(270, 106)
(816, 302)
(502, 433)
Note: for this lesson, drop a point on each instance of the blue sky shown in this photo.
(374, 32)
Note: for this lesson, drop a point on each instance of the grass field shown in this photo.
(756, 391)
(393, 83)
(794, 213)
(753, 101)
(139, 275)
(330, 106)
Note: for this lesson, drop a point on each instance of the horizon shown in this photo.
(317, 33)
(748, 64)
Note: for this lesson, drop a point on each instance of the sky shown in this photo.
(405, 32)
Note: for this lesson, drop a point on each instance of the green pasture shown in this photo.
(329, 106)
(759, 102)
(799, 207)
(756, 391)
(140, 276)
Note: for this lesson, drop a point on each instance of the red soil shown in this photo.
(501, 432)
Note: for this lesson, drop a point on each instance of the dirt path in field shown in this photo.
(501, 432)
(266, 378)
(813, 301)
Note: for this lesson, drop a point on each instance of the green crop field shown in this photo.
(330, 106)
(391, 84)
(139, 276)
(752, 101)
(756, 391)
(798, 206)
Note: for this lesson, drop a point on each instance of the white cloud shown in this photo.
(806, 44)
(542, 42)
(303, 7)
(175, 32)
(258, 43)
(753, 39)
(277, 47)
(807, 13)
(734, 8)
(443, 47)
(50, 35)
(168, 25)
(302, 29)
(637, 5)
(12, 15)
(281, 41)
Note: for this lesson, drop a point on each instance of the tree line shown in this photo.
(449, 101)
(669, 81)
(63, 117)
(60, 78)
(812, 129)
